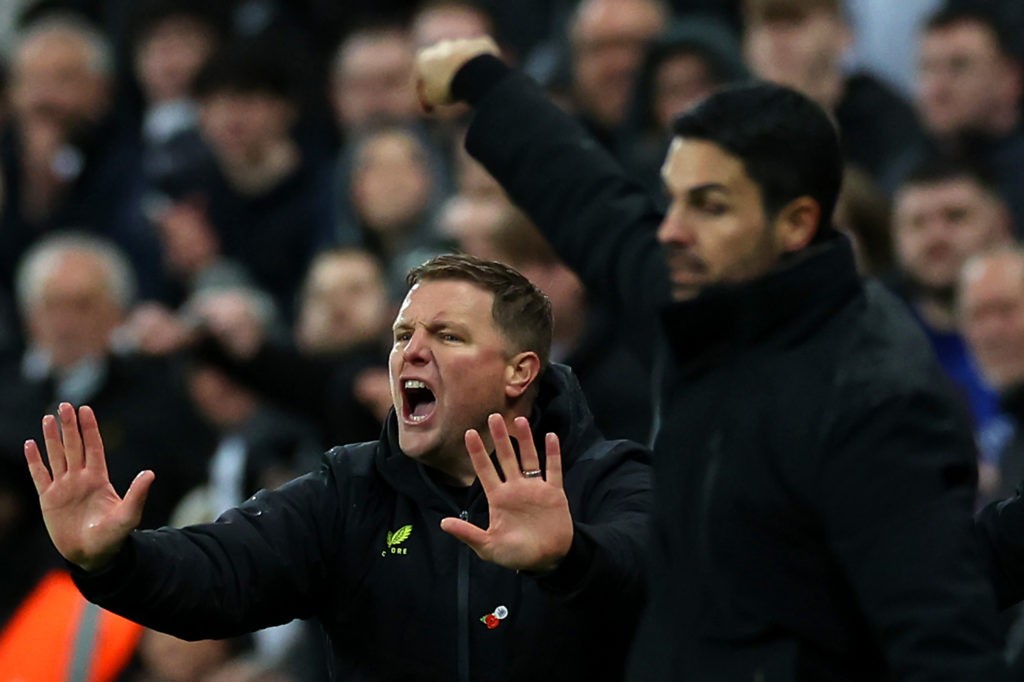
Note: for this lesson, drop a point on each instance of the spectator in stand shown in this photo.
(991, 305)
(607, 41)
(171, 41)
(331, 373)
(73, 292)
(802, 44)
(261, 204)
(394, 193)
(437, 20)
(687, 62)
(944, 213)
(969, 98)
(65, 162)
(371, 90)
(371, 79)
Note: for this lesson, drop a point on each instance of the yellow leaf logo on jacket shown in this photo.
(396, 538)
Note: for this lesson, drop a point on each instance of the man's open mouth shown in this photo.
(418, 401)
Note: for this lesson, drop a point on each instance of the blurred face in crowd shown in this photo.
(373, 80)
(56, 80)
(964, 82)
(565, 291)
(801, 51)
(435, 24)
(344, 303)
(170, 55)
(450, 367)
(715, 229)
(221, 401)
(608, 42)
(680, 81)
(242, 127)
(939, 225)
(74, 311)
(992, 315)
(390, 182)
(471, 221)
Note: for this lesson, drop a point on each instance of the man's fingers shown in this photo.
(437, 65)
(71, 437)
(135, 499)
(40, 474)
(503, 449)
(92, 440)
(528, 459)
(553, 455)
(466, 532)
(482, 464)
(54, 446)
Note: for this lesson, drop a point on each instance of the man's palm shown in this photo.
(84, 515)
(530, 525)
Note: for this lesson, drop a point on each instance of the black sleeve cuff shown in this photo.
(570, 575)
(477, 77)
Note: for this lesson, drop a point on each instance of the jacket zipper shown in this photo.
(463, 607)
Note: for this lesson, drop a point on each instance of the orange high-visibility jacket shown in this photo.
(57, 636)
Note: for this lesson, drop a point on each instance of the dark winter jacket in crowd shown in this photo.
(358, 547)
(1000, 525)
(814, 476)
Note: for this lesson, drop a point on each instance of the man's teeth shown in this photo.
(414, 418)
(414, 383)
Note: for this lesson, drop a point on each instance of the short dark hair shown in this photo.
(521, 311)
(766, 11)
(788, 144)
(939, 168)
(953, 13)
(147, 15)
(248, 67)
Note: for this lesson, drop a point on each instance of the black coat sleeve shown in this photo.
(600, 222)
(999, 528)
(611, 523)
(261, 564)
(895, 489)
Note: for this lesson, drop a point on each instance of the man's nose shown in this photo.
(674, 228)
(417, 349)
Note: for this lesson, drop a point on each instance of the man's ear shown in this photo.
(520, 373)
(797, 223)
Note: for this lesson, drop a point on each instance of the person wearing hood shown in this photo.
(369, 544)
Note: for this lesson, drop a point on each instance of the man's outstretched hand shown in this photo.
(530, 524)
(437, 65)
(86, 519)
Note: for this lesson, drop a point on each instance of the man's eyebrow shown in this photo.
(701, 191)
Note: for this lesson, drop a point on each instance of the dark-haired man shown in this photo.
(262, 200)
(944, 213)
(970, 89)
(815, 480)
(359, 543)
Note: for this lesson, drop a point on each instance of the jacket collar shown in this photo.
(783, 307)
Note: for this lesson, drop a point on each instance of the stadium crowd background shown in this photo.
(207, 210)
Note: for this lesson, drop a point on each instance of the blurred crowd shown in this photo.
(208, 207)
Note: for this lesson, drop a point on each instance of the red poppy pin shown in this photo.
(493, 620)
